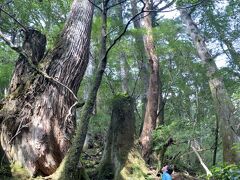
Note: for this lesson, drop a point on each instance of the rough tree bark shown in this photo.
(120, 159)
(38, 117)
(71, 163)
(223, 105)
(153, 89)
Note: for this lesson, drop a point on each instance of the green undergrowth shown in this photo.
(14, 172)
(226, 172)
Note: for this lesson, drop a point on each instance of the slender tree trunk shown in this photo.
(223, 104)
(141, 60)
(153, 89)
(38, 117)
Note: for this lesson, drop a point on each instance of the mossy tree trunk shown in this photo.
(119, 157)
(38, 117)
(223, 105)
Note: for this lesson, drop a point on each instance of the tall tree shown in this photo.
(153, 89)
(223, 104)
(38, 117)
(141, 58)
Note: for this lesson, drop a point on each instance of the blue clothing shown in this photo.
(166, 176)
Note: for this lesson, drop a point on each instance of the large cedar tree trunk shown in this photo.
(70, 165)
(36, 127)
(222, 101)
(153, 89)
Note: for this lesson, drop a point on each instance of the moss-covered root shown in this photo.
(134, 168)
(58, 175)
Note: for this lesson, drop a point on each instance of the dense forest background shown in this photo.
(187, 50)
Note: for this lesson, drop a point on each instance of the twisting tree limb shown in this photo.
(95, 5)
(44, 74)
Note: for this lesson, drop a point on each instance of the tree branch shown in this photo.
(124, 30)
(201, 161)
(109, 7)
(95, 5)
(187, 7)
(166, 6)
(6, 3)
(178, 8)
(44, 74)
(155, 5)
(11, 16)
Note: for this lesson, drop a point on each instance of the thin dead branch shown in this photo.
(208, 172)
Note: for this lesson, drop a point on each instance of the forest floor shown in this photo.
(91, 158)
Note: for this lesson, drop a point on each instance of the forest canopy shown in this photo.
(117, 89)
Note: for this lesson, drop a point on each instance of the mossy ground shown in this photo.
(14, 172)
(135, 168)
